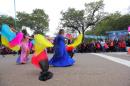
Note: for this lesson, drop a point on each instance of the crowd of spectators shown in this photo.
(4, 50)
(88, 47)
(104, 46)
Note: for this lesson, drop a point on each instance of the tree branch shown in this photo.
(72, 26)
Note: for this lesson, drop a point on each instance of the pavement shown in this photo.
(89, 70)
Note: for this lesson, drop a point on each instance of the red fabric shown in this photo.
(69, 48)
(69, 36)
(106, 46)
(119, 44)
(123, 45)
(112, 44)
(38, 58)
(98, 45)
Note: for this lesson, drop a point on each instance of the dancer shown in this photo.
(61, 57)
(40, 58)
(0, 43)
(41, 61)
(8, 36)
(71, 48)
(0, 33)
(23, 58)
(21, 40)
(71, 51)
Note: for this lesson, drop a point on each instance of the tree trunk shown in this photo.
(78, 31)
(83, 32)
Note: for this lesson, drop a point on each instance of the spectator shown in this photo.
(122, 46)
(98, 46)
(103, 45)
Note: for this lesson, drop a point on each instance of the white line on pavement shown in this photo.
(114, 59)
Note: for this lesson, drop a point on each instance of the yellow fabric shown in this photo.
(6, 43)
(77, 41)
(41, 43)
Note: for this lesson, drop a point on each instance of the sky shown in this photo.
(54, 7)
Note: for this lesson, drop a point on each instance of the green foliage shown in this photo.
(90, 40)
(81, 20)
(6, 19)
(38, 20)
(73, 19)
(113, 22)
(23, 19)
(122, 23)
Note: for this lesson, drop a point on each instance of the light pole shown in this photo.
(15, 14)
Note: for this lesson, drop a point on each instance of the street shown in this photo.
(90, 69)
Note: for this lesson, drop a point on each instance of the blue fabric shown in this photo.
(33, 41)
(18, 60)
(61, 57)
(6, 32)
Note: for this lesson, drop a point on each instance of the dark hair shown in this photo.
(24, 32)
(32, 36)
(61, 31)
(11, 25)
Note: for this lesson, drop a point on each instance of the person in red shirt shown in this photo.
(111, 45)
(123, 45)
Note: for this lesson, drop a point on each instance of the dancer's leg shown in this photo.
(45, 74)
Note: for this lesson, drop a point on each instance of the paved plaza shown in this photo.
(100, 69)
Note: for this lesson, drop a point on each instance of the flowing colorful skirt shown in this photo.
(61, 59)
(23, 58)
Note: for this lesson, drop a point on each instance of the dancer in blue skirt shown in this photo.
(61, 58)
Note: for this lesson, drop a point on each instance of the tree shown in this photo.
(81, 20)
(6, 19)
(112, 22)
(24, 19)
(38, 20)
(122, 22)
(105, 25)
(73, 19)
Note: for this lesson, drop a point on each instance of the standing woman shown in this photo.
(24, 49)
(61, 58)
